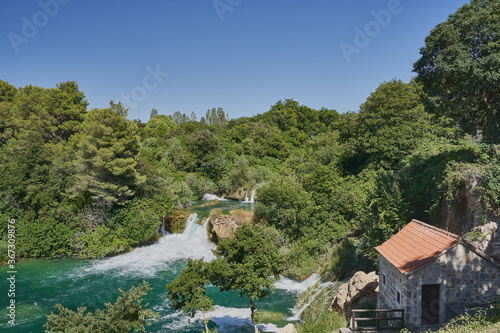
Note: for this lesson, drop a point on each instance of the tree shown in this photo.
(106, 146)
(389, 125)
(216, 117)
(206, 153)
(459, 68)
(387, 214)
(125, 314)
(248, 264)
(159, 126)
(55, 112)
(289, 206)
(193, 117)
(187, 291)
(153, 113)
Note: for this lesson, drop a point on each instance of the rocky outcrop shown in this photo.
(224, 226)
(465, 215)
(487, 238)
(288, 329)
(362, 288)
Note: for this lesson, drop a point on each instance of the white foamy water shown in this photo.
(227, 319)
(296, 286)
(208, 196)
(250, 199)
(298, 312)
(192, 243)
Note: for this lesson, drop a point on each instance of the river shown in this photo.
(41, 284)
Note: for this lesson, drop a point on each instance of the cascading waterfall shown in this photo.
(310, 300)
(192, 243)
(162, 230)
(211, 197)
(92, 283)
(250, 199)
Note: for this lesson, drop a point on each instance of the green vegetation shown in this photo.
(125, 314)
(187, 291)
(458, 69)
(478, 320)
(248, 264)
(316, 317)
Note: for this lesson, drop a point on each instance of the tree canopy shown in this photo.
(187, 291)
(459, 68)
(125, 314)
(248, 264)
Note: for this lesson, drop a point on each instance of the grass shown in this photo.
(317, 318)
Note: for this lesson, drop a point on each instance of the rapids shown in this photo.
(41, 284)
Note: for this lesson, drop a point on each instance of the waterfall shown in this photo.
(252, 197)
(298, 312)
(211, 197)
(147, 260)
(162, 230)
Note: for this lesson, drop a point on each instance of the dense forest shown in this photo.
(92, 183)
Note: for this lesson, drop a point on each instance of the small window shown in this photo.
(398, 297)
(383, 279)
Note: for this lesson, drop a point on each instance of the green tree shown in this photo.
(289, 206)
(389, 125)
(459, 68)
(248, 264)
(125, 314)
(387, 214)
(153, 113)
(187, 291)
(55, 112)
(106, 146)
(206, 154)
(216, 117)
(159, 126)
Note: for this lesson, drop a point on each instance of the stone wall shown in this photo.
(394, 281)
(466, 280)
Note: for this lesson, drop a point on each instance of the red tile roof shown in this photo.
(416, 245)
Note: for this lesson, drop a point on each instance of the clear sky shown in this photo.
(191, 55)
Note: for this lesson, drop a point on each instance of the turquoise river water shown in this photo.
(41, 284)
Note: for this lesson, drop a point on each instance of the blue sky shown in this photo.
(188, 55)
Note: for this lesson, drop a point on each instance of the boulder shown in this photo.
(224, 226)
(288, 329)
(362, 288)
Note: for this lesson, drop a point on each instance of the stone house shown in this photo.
(433, 275)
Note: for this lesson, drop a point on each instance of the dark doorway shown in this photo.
(430, 304)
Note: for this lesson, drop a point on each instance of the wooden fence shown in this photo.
(386, 316)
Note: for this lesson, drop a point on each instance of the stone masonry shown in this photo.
(466, 279)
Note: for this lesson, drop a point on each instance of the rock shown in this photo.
(224, 226)
(362, 288)
(489, 240)
(288, 329)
